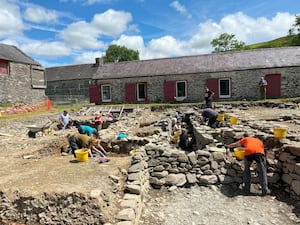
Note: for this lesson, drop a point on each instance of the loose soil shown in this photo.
(35, 165)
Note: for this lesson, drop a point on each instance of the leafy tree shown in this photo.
(295, 31)
(116, 53)
(226, 42)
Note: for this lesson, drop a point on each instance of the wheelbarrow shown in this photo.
(34, 129)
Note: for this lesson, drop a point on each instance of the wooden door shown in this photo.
(274, 84)
(94, 91)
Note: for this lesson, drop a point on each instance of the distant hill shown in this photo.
(276, 43)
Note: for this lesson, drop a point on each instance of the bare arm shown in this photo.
(233, 145)
(93, 148)
(102, 149)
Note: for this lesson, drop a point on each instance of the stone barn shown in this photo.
(231, 75)
(70, 83)
(22, 79)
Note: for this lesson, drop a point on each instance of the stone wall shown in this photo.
(68, 90)
(244, 85)
(17, 85)
(161, 164)
(54, 208)
(289, 160)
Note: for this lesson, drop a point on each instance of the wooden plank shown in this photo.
(7, 135)
(121, 112)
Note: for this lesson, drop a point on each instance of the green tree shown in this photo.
(226, 42)
(116, 53)
(294, 31)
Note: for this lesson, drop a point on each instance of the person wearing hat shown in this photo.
(64, 121)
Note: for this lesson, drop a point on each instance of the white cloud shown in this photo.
(38, 14)
(85, 2)
(131, 42)
(111, 22)
(164, 47)
(10, 20)
(247, 29)
(81, 35)
(259, 29)
(80, 38)
(91, 2)
(180, 8)
(88, 57)
(10, 42)
(45, 49)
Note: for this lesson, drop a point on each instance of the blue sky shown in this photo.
(67, 32)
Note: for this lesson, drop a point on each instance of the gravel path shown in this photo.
(208, 206)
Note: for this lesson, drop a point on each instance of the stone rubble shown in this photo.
(162, 164)
(157, 163)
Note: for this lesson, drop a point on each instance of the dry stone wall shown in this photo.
(65, 208)
(162, 164)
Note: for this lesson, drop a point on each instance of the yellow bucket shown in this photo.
(239, 153)
(220, 117)
(175, 137)
(233, 120)
(82, 155)
(279, 132)
(177, 133)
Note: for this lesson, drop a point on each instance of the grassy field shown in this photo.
(286, 41)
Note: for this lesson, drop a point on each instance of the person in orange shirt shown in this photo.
(254, 151)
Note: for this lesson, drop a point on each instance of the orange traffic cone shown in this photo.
(48, 104)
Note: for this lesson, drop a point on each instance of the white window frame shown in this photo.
(102, 92)
(137, 91)
(229, 88)
(185, 87)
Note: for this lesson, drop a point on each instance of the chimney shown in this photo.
(99, 61)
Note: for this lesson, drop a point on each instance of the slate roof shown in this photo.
(13, 54)
(82, 71)
(216, 62)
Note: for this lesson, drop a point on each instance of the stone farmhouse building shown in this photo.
(231, 75)
(22, 79)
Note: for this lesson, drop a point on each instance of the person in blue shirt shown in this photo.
(88, 130)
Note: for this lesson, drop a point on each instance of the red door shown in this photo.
(169, 90)
(3, 67)
(273, 87)
(94, 91)
(213, 85)
(130, 92)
